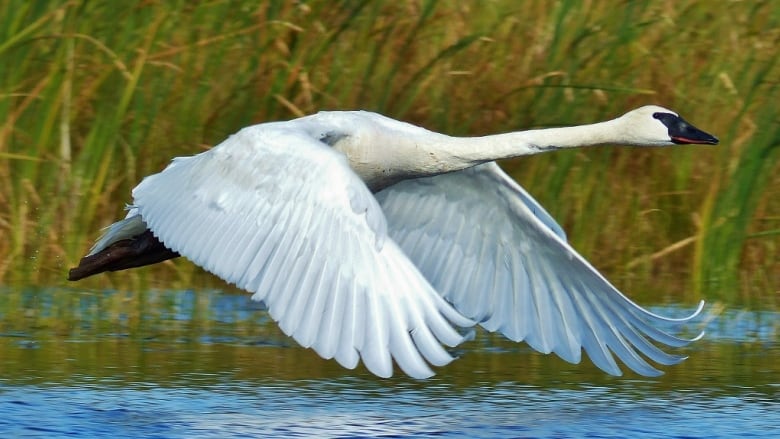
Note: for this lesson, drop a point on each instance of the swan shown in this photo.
(372, 239)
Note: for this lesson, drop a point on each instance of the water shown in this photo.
(181, 364)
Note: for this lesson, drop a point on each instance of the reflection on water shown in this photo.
(180, 364)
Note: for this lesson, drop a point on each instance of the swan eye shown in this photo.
(664, 116)
(671, 121)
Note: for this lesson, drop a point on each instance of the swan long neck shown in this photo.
(386, 151)
(470, 151)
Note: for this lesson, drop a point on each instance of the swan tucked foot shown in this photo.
(140, 250)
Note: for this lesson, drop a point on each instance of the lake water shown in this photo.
(211, 364)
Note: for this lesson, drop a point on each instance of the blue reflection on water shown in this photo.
(346, 408)
(716, 393)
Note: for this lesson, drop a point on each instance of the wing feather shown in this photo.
(282, 215)
(334, 321)
(492, 251)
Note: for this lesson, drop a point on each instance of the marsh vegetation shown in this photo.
(95, 95)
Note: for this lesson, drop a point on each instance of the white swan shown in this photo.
(368, 238)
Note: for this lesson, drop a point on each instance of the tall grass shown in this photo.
(95, 94)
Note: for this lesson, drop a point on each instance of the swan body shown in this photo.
(371, 239)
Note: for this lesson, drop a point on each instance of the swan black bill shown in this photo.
(683, 133)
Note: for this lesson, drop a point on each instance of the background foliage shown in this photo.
(94, 95)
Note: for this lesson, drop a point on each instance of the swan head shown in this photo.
(657, 126)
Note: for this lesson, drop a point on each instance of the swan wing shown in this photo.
(500, 259)
(280, 214)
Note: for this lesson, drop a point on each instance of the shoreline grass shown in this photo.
(95, 95)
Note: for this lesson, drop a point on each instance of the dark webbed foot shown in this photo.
(143, 249)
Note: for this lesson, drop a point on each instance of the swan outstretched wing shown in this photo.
(500, 259)
(280, 214)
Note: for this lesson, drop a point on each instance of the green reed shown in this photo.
(95, 95)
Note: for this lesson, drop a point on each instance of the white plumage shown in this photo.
(370, 238)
